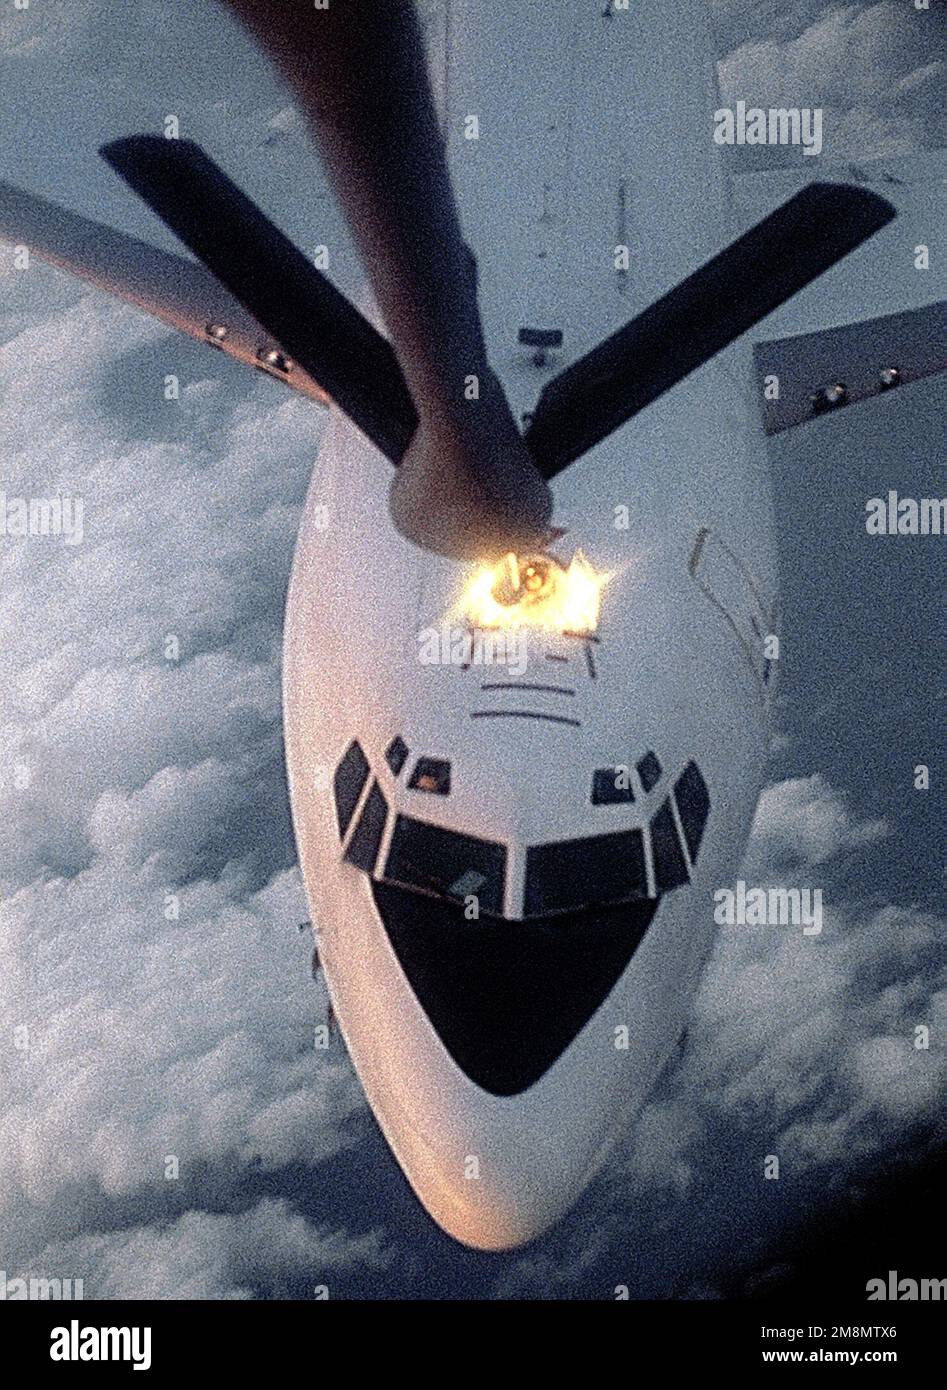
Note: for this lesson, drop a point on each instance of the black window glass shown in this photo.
(348, 782)
(649, 770)
(611, 785)
(670, 870)
(395, 754)
(363, 846)
(431, 775)
(507, 998)
(446, 863)
(693, 804)
(570, 874)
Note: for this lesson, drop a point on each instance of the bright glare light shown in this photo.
(535, 591)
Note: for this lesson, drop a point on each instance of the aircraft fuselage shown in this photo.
(503, 1052)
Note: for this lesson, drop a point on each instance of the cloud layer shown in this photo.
(155, 1005)
(877, 70)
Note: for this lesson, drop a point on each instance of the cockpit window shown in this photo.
(362, 848)
(670, 870)
(396, 753)
(611, 785)
(570, 874)
(447, 864)
(649, 770)
(347, 783)
(431, 775)
(693, 804)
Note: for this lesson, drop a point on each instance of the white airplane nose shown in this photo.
(486, 1217)
(496, 1098)
(502, 1057)
(503, 1189)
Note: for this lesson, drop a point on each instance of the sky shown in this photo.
(155, 998)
